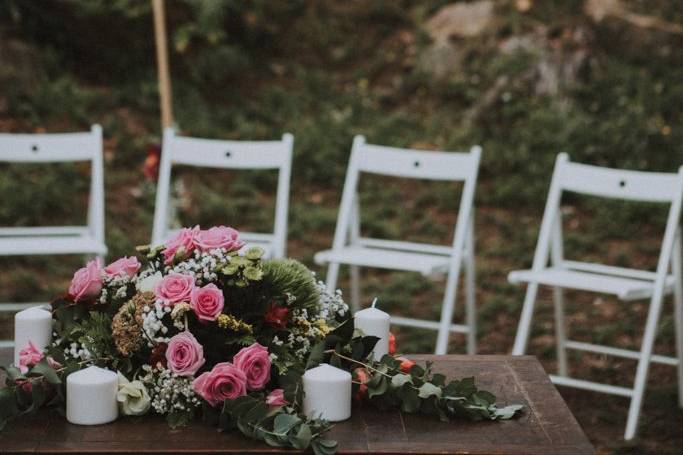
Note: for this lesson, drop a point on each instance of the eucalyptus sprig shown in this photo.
(278, 426)
(42, 386)
(418, 390)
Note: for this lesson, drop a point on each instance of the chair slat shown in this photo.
(619, 184)
(397, 162)
(215, 153)
(45, 148)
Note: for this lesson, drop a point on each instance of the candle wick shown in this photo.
(374, 302)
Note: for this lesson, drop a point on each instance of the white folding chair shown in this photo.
(626, 284)
(56, 240)
(224, 154)
(351, 249)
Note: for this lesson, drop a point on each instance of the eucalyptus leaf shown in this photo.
(380, 388)
(507, 412)
(302, 439)
(400, 379)
(316, 355)
(42, 368)
(411, 401)
(428, 389)
(285, 422)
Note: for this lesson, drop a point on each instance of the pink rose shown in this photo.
(183, 241)
(174, 288)
(276, 398)
(125, 266)
(224, 382)
(184, 355)
(255, 363)
(87, 281)
(207, 302)
(218, 237)
(29, 356)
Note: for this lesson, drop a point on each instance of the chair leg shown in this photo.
(678, 313)
(560, 328)
(643, 369)
(447, 308)
(470, 302)
(332, 275)
(524, 326)
(355, 288)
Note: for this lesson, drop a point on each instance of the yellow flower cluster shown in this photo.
(226, 321)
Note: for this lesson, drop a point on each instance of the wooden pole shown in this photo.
(162, 64)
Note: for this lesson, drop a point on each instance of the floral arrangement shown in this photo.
(202, 327)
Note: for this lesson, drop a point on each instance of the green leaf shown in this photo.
(400, 379)
(428, 389)
(273, 440)
(13, 373)
(507, 412)
(379, 389)
(285, 422)
(344, 330)
(411, 401)
(42, 368)
(324, 446)
(302, 439)
(316, 356)
(416, 371)
(465, 387)
(439, 380)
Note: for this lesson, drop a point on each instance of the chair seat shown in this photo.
(50, 244)
(424, 263)
(624, 287)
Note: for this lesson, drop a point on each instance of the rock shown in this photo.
(460, 20)
(452, 22)
(598, 10)
(559, 59)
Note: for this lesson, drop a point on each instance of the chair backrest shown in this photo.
(224, 154)
(407, 163)
(64, 147)
(597, 181)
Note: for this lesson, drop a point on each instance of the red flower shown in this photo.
(392, 344)
(151, 167)
(158, 355)
(276, 316)
(406, 364)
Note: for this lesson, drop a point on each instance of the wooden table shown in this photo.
(546, 427)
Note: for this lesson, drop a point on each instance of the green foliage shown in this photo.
(25, 393)
(278, 427)
(291, 276)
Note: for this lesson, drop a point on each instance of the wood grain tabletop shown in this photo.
(545, 427)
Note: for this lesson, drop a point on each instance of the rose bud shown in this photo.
(361, 375)
(392, 344)
(406, 364)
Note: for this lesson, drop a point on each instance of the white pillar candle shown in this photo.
(91, 396)
(374, 322)
(327, 393)
(33, 324)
